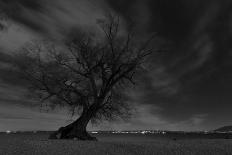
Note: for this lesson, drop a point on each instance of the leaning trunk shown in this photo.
(76, 130)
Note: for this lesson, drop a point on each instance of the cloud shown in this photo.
(198, 43)
(24, 118)
(163, 82)
(198, 119)
(9, 77)
(18, 10)
(14, 37)
(145, 119)
(53, 18)
(21, 118)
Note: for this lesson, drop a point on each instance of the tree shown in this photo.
(88, 74)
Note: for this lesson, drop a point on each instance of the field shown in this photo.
(113, 144)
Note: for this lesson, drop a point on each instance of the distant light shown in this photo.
(163, 132)
(134, 132)
(8, 131)
(116, 132)
(124, 132)
(94, 132)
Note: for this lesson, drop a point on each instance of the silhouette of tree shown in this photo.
(89, 74)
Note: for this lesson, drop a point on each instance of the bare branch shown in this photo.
(86, 73)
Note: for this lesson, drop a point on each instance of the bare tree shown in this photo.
(88, 74)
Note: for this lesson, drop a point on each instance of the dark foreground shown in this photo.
(113, 144)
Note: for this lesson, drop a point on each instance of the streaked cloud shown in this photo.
(186, 86)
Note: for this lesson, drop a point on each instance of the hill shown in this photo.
(224, 129)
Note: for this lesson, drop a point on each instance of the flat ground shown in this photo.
(108, 144)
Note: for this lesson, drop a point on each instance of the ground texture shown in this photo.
(130, 144)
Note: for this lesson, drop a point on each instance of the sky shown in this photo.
(188, 87)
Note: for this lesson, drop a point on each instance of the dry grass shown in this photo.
(37, 144)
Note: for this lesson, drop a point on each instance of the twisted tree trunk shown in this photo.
(77, 129)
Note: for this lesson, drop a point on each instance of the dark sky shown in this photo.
(188, 86)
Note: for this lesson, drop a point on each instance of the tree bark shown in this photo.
(77, 129)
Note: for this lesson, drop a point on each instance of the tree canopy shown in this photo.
(89, 73)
